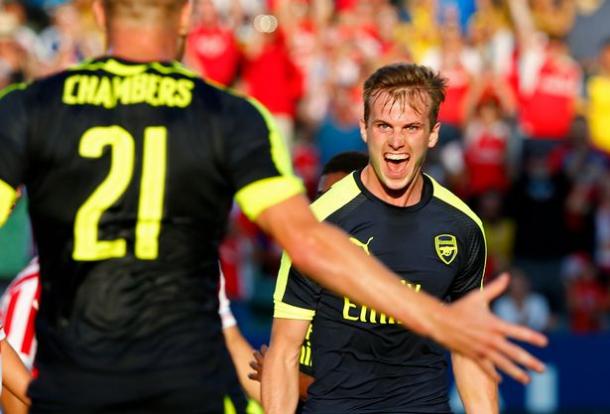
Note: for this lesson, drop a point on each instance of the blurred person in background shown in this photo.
(499, 231)
(68, 40)
(339, 130)
(270, 75)
(14, 58)
(211, 47)
(459, 64)
(553, 17)
(601, 251)
(587, 298)
(598, 108)
(537, 205)
(521, 305)
(549, 83)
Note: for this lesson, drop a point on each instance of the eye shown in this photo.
(383, 127)
(412, 128)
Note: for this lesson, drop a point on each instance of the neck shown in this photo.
(143, 44)
(406, 197)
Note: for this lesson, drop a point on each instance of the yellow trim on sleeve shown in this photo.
(285, 311)
(279, 152)
(448, 197)
(8, 196)
(256, 197)
(341, 193)
(11, 88)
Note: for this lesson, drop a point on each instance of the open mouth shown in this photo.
(396, 163)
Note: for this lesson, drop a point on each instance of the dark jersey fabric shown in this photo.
(364, 361)
(114, 327)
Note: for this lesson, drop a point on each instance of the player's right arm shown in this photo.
(280, 385)
(15, 376)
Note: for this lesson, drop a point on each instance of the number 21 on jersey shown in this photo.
(87, 246)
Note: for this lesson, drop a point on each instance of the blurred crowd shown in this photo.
(525, 135)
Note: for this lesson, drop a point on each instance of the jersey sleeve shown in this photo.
(471, 275)
(258, 161)
(296, 296)
(13, 134)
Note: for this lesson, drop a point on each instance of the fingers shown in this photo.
(489, 369)
(519, 355)
(506, 365)
(521, 333)
(495, 288)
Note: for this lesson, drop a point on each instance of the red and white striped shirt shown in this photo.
(19, 305)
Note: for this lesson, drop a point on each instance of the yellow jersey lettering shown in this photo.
(368, 315)
(151, 90)
(69, 96)
(104, 94)
(185, 94)
(109, 92)
(167, 88)
(138, 89)
(347, 305)
(87, 88)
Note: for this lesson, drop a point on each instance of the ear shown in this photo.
(185, 18)
(99, 11)
(363, 130)
(433, 138)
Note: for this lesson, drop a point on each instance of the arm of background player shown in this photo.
(15, 376)
(241, 353)
(280, 386)
(325, 254)
(478, 392)
(258, 363)
(11, 404)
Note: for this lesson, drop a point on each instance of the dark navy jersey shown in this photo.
(131, 170)
(364, 361)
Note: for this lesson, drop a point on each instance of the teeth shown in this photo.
(396, 157)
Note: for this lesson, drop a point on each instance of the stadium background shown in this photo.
(525, 140)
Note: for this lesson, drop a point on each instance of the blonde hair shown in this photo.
(406, 83)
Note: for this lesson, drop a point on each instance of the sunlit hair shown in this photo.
(406, 83)
(143, 11)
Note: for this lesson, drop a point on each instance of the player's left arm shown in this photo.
(479, 393)
(15, 376)
(280, 386)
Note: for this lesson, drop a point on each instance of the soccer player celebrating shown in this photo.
(363, 359)
(131, 163)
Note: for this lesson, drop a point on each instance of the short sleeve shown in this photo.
(296, 296)
(471, 275)
(2, 333)
(257, 159)
(13, 135)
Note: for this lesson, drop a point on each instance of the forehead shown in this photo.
(403, 105)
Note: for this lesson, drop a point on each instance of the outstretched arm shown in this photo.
(467, 327)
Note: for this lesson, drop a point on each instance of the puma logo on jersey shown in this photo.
(364, 246)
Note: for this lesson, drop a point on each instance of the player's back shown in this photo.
(131, 172)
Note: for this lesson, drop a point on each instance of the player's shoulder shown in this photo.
(338, 196)
(452, 204)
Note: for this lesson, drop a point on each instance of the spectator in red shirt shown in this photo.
(211, 48)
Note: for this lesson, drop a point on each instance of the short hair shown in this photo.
(142, 10)
(406, 80)
(346, 162)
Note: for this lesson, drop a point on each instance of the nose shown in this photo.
(396, 140)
